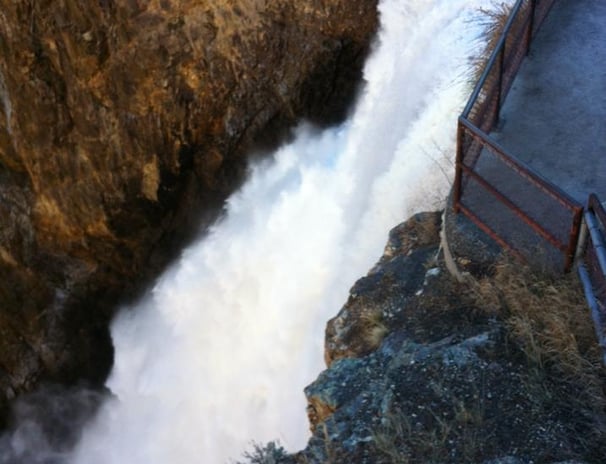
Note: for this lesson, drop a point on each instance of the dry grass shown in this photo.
(403, 441)
(546, 315)
(373, 328)
(391, 438)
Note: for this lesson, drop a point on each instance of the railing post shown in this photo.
(533, 9)
(456, 190)
(573, 239)
(592, 217)
(500, 86)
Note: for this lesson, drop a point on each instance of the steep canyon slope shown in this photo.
(120, 124)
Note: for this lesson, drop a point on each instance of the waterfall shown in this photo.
(218, 353)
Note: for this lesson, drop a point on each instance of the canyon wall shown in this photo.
(123, 127)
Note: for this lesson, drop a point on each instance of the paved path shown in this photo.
(554, 117)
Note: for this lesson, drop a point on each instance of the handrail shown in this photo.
(493, 57)
(524, 20)
(595, 217)
(536, 226)
(592, 271)
(473, 140)
(482, 113)
(594, 204)
(596, 311)
(523, 169)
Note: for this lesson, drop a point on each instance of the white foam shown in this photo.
(219, 353)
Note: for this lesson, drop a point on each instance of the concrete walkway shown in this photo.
(554, 117)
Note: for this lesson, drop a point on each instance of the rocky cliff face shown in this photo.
(422, 370)
(120, 123)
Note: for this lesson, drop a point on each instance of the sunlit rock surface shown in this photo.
(120, 123)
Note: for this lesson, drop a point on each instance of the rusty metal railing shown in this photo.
(506, 198)
(487, 98)
(592, 270)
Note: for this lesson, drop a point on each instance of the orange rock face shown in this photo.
(117, 120)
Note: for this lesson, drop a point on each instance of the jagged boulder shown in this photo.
(377, 299)
(121, 123)
(453, 400)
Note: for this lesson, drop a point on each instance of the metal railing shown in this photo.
(506, 198)
(485, 103)
(592, 270)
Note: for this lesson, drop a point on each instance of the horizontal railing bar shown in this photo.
(523, 169)
(547, 235)
(594, 306)
(594, 204)
(592, 278)
(489, 231)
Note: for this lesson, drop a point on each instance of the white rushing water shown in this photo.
(218, 354)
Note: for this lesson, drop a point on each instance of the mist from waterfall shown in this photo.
(218, 353)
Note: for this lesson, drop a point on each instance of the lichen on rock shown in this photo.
(446, 382)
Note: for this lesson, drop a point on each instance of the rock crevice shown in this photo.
(118, 120)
